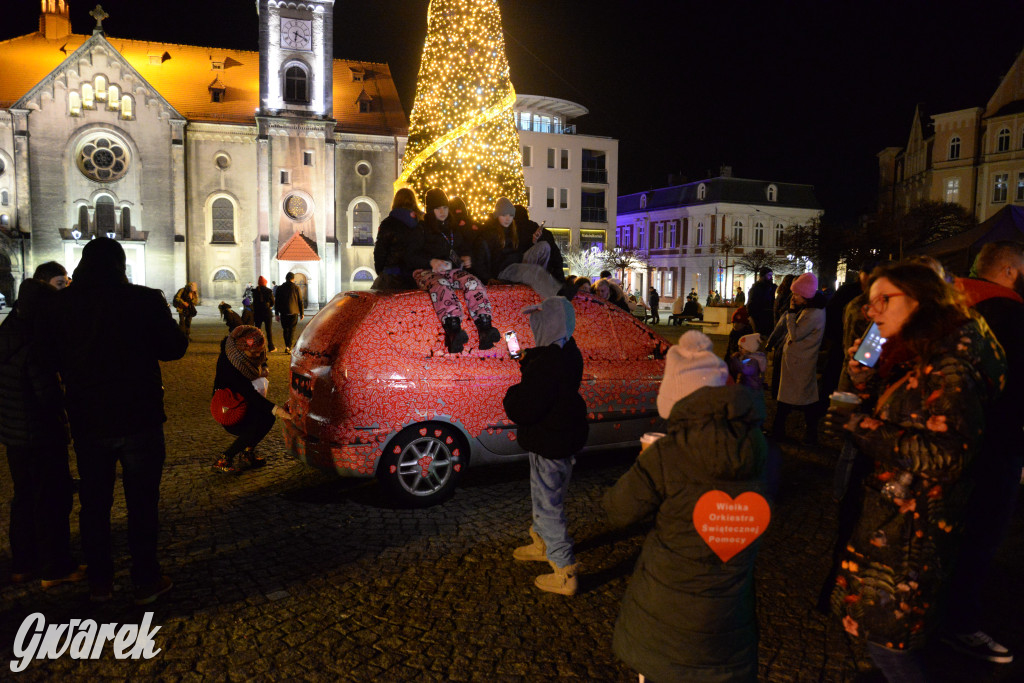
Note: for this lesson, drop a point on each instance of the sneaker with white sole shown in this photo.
(978, 645)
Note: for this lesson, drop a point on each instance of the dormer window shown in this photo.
(358, 75)
(702, 191)
(643, 201)
(217, 90)
(364, 102)
(773, 193)
(217, 66)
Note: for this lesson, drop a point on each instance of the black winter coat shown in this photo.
(31, 396)
(262, 302)
(494, 250)
(546, 405)
(761, 305)
(391, 246)
(107, 339)
(442, 241)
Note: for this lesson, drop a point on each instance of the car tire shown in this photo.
(423, 463)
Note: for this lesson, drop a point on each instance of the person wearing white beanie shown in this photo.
(690, 365)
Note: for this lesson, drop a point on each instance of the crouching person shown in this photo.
(552, 420)
(687, 615)
(240, 401)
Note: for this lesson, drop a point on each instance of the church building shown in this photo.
(208, 164)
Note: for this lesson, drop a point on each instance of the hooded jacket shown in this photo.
(686, 615)
(926, 427)
(393, 237)
(546, 405)
(31, 396)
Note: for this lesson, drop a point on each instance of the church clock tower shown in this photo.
(296, 57)
(296, 185)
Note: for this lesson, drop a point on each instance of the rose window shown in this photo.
(103, 158)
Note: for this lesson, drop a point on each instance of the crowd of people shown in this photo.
(926, 479)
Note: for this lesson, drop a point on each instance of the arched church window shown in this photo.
(113, 97)
(126, 107)
(362, 225)
(224, 284)
(88, 99)
(83, 220)
(106, 217)
(296, 85)
(101, 87)
(126, 222)
(223, 214)
(74, 104)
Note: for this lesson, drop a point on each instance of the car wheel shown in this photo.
(422, 465)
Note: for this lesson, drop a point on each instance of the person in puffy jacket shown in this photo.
(242, 368)
(34, 428)
(551, 417)
(393, 238)
(687, 615)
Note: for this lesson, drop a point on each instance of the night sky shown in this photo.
(792, 91)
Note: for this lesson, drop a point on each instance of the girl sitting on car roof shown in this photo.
(439, 255)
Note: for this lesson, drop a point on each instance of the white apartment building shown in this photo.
(678, 229)
(571, 179)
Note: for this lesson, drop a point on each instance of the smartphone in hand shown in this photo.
(513, 344)
(870, 347)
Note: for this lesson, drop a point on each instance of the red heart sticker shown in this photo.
(728, 526)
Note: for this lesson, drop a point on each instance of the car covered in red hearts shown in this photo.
(375, 393)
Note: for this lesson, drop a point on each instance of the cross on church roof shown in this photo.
(99, 15)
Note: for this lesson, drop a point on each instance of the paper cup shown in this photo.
(843, 403)
(648, 438)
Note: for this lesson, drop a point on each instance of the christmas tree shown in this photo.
(462, 133)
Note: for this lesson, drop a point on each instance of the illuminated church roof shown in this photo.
(183, 74)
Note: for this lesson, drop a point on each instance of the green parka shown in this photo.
(686, 615)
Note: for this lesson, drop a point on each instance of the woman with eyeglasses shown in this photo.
(920, 424)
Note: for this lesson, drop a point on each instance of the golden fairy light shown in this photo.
(462, 132)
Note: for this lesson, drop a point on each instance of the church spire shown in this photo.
(55, 19)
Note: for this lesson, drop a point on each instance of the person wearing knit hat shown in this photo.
(687, 613)
(748, 365)
(439, 258)
(498, 244)
(690, 365)
(799, 333)
(740, 326)
(551, 418)
(806, 285)
(263, 310)
(242, 377)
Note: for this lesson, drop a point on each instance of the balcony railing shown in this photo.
(595, 175)
(593, 215)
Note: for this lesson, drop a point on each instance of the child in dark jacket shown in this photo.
(242, 368)
(551, 417)
(688, 614)
(748, 364)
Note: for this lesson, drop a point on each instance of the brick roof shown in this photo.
(298, 248)
(184, 80)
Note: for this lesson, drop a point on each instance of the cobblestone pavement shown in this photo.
(288, 573)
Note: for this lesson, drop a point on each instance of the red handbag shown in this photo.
(227, 407)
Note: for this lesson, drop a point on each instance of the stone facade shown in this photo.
(972, 157)
(203, 162)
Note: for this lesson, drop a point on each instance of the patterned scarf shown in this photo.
(246, 350)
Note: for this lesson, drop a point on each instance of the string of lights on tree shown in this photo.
(462, 132)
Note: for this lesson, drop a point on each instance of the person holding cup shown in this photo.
(921, 424)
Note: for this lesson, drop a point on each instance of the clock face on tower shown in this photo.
(296, 34)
